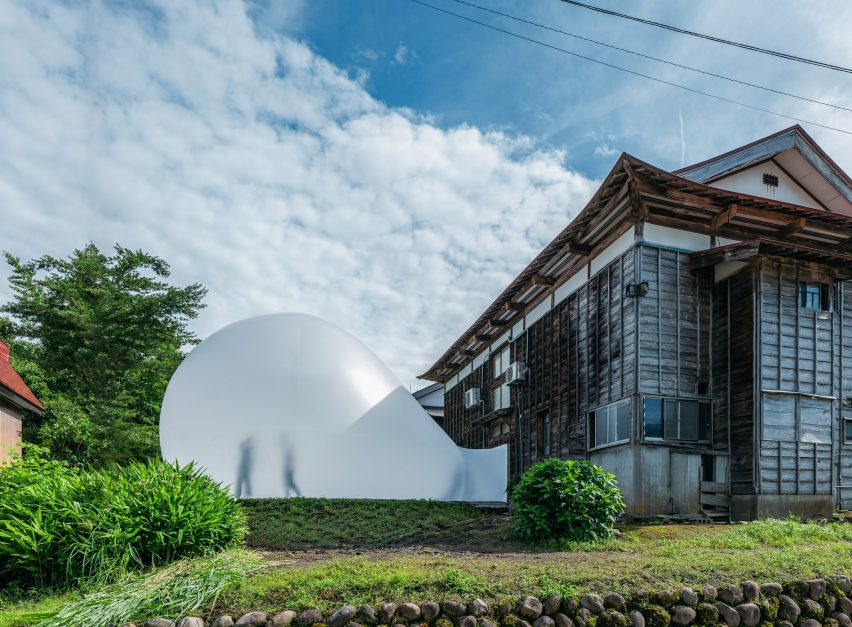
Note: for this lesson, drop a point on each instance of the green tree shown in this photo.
(97, 338)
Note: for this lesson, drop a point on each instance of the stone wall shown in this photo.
(814, 603)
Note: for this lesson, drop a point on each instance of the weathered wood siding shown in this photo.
(800, 380)
(844, 450)
(674, 320)
(733, 376)
(580, 355)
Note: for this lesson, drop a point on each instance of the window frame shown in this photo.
(847, 430)
(664, 402)
(543, 443)
(810, 290)
(591, 427)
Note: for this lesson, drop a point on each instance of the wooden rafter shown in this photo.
(725, 216)
(542, 280)
(791, 229)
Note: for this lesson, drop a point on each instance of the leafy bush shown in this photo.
(61, 525)
(558, 500)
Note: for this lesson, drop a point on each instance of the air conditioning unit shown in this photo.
(472, 398)
(515, 373)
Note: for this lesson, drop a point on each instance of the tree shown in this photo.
(97, 338)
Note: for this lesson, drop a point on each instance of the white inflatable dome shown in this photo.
(289, 404)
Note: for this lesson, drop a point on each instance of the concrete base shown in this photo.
(753, 506)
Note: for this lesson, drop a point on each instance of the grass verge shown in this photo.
(299, 523)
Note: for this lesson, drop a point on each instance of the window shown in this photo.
(677, 419)
(814, 296)
(501, 397)
(499, 428)
(542, 433)
(500, 361)
(847, 431)
(610, 424)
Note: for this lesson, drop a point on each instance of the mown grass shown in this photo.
(300, 523)
(651, 557)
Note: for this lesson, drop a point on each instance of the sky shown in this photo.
(375, 162)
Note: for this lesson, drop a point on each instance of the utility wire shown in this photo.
(633, 72)
(653, 58)
(683, 31)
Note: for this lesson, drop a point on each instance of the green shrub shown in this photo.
(61, 525)
(558, 500)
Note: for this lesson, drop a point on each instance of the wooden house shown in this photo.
(15, 397)
(689, 330)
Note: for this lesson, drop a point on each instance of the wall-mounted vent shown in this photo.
(472, 398)
(770, 180)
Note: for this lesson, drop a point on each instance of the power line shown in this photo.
(653, 58)
(683, 31)
(628, 71)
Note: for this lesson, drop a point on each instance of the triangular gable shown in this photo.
(806, 174)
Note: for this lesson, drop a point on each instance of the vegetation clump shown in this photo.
(63, 525)
(566, 500)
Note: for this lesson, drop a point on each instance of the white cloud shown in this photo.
(261, 170)
(402, 54)
(605, 150)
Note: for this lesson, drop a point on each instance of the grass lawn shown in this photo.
(322, 553)
(647, 556)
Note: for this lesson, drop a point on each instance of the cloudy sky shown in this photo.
(374, 162)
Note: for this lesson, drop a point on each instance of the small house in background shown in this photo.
(690, 331)
(432, 399)
(15, 397)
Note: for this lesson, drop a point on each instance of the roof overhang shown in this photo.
(636, 191)
(18, 400)
(744, 251)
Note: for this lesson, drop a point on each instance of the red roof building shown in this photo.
(15, 397)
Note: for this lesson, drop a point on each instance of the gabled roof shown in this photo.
(635, 190)
(427, 390)
(12, 387)
(778, 145)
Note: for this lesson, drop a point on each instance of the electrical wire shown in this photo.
(683, 31)
(653, 58)
(633, 72)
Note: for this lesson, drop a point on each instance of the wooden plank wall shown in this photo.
(799, 356)
(844, 351)
(675, 324)
(580, 355)
(733, 376)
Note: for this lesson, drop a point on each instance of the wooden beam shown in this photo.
(467, 353)
(633, 191)
(542, 280)
(481, 337)
(791, 229)
(725, 216)
(845, 246)
(513, 306)
(499, 324)
(575, 248)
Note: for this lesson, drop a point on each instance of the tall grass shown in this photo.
(184, 587)
(62, 526)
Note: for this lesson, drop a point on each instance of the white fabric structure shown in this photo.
(289, 404)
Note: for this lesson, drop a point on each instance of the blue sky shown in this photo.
(373, 162)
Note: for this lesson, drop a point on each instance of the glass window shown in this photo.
(682, 419)
(814, 296)
(543, 434)
(654, 418)
(497, 365)
(848, 431)
(610, 424)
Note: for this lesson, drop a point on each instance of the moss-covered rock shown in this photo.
(812, 609)
(656, 616)
(612, 618)
(667, 598)
(797, 589)
(504, 608)
(706, 614)
(768, 608)
(830, 622)
(446, 622)
(828, 603)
